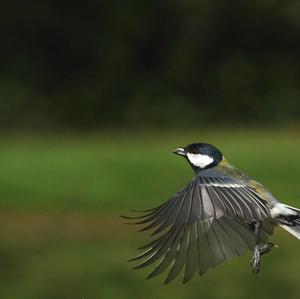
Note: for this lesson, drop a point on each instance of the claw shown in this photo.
(255, 266)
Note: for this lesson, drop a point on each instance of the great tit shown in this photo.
(220, 214)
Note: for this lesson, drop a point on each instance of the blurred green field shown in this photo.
(61, 197)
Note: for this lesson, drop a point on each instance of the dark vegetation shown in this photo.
(158, 63)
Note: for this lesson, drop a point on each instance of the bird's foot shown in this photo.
(255, 261)
(258, 251)
(265, 248)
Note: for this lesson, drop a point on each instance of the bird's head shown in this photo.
(200, 155)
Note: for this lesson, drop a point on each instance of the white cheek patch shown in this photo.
(199, 160)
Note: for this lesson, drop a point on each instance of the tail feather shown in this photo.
(290, 220)
(294, 230)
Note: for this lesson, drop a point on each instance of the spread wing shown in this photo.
(207, 222)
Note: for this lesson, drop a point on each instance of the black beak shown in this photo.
(179, 151)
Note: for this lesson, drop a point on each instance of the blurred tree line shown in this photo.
(151, 63)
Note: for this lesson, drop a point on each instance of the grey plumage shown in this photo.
(200, 226)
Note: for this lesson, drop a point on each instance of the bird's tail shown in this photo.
(290, 221)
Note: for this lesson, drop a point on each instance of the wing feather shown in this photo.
(207, 222)
(191, 266)
(205, 253)
(180, 257)
(178, 215)
(159, 250)
(170, 254)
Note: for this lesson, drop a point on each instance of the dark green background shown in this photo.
(93, 98)
(149, 63)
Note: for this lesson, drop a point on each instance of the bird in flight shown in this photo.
(220, 214)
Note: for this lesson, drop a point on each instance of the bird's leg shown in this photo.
(265, 248)
(255, 261)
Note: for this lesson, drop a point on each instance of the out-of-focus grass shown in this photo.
(76, 255)
(60, 197)
(116, 171)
